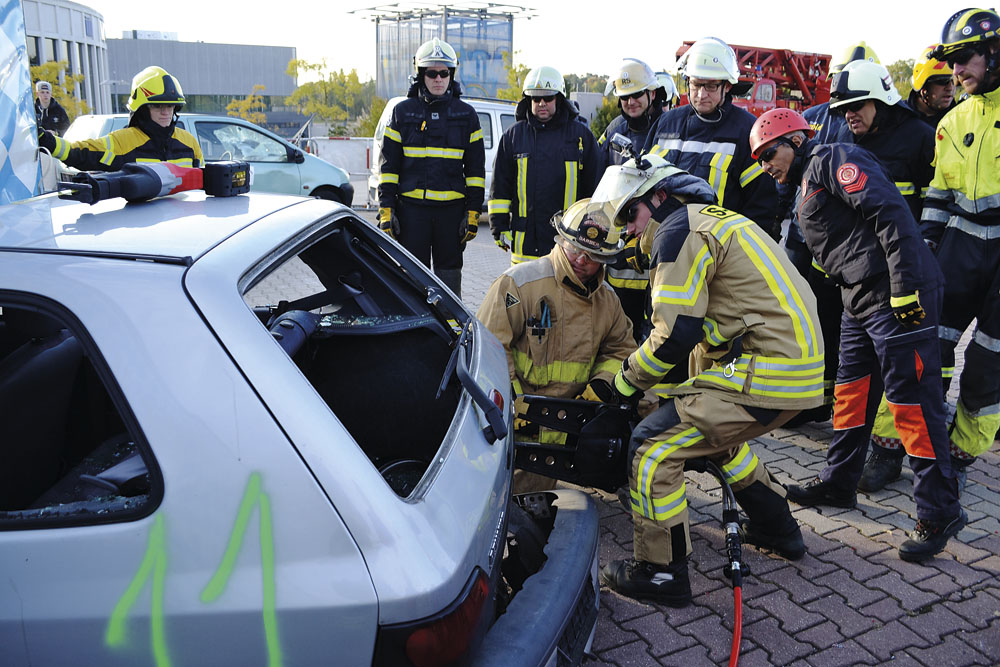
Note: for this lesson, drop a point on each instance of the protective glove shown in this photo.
(467, 230)
(500, 228)
(634, 257)
(388, 222)
(600, 391)
(907, 309)
(47, 140)
(624, 393)
(521, 424)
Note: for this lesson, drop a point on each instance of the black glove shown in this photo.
(907, 309)
(47, 140)
(600, 391)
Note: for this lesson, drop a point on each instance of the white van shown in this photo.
(495, 116)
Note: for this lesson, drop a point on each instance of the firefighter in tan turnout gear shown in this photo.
(562, 326)
(719, 282)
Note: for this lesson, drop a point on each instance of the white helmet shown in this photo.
(712, 59)
(667, 83)
(544, 80)
(623, 183)
(632, 77)
(863, 80)
(435, 51)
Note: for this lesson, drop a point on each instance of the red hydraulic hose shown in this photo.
(734, 654)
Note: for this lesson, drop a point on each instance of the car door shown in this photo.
(273, 169)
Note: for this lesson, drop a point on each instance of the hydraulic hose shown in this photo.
(734, 554)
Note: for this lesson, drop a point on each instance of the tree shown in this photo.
(515, 79)
(607, 113)
(902, 71)
(62, 86)
(336, 97)
(368, 122)
(588, 83)
(250, 108)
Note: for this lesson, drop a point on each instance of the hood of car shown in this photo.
(182, 225)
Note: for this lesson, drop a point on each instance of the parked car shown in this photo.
(278, 166)
(255, 430)
(495, 116)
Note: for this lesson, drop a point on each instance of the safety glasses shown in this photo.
(437, 73)
(853, 107)
(633, 96)
(542, 98)
(574, 254)
(633, 210)
(963, 56)
(768, 153)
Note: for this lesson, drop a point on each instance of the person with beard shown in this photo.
(433, 167)
(864, 236)
(546, 161)
(152, 134)
(933, 93)
(49, 114)
(708, 136)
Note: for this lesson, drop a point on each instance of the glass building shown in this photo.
(481, 37)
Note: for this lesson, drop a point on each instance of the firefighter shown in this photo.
(49, 114)
(670, 90)
(862, 234)
(721, 284)
(561, 325)
(933, 93)
(876, 118)
(152, 134)
(433, 162)
(708, 137)
(825, 125)
(961, 219)
(545, 162)
(641, 98)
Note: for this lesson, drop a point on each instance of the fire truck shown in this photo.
(773, 78)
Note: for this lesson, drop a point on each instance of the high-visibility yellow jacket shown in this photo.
(966, 183)
(718, 277)
(136, 143)
(558, 333)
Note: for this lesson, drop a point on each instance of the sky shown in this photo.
(564, 34)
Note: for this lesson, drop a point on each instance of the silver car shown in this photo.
(254, 430)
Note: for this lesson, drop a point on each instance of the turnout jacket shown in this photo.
(860, 230)
(53, 118)
(720, 281)
(635, 131)
(904, 144)
(965, 190)
(142, 141)
(558, 333)
(432, 151)
(719, 152)
(541, 169)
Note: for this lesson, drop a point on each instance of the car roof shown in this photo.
(179, 227)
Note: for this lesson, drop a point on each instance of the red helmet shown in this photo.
(773, 124)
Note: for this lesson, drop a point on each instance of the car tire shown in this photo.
(328, 192)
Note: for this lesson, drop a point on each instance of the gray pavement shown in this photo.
(849, 601)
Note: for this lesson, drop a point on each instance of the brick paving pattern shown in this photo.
(849, 601)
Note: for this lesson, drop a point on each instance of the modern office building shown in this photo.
(61, 30)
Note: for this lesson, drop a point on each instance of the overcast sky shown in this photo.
(561, 34)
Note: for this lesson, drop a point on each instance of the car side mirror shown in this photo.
(296, 156)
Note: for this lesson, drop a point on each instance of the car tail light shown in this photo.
(444, 639)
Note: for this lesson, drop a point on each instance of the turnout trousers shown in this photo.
(687, 427)
(878, 354)
(432, 231)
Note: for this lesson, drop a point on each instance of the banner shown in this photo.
(19, 169)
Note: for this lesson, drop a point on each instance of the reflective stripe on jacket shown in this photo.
(127, 145)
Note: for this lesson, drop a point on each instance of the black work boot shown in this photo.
(818, 492)
(642, 580)
(771, 524)
(880, 469)
(929, 537)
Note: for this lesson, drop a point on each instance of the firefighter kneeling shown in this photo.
(719, 282)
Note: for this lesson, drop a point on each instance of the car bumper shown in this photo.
(556, 611)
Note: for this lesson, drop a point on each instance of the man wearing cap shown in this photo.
(561, 325)
(49, 114)
(545, 162)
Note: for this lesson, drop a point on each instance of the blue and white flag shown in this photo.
(19, 170)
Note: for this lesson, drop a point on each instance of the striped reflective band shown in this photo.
(906, 188)
(476, 136)
(990, 343)
(984, 232)
(522, 187)
(627, 283)
(712, 333)
(109, 151)
(750, 173)
(475, 182)
(648, 361)
(434, 195)
(433, 151)
(718, 147)
(498, 206)
(947, 333)
(662, 508)
(686, 294)
(718, 175)
(386, 177)
(393, 135)
(557, 371)
(980, 205)
(569, 189)
(743, 464)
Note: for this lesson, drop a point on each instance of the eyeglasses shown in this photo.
(768, 154)
(437, 73)
(707, 86)
(542, 98)
(853, 107)
(963, 56)
(633, 96)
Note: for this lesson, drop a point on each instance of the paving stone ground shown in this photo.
(849, 601)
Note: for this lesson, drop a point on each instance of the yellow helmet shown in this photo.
(859, 51)
(928, 67)
(587, 225)
(154, 85)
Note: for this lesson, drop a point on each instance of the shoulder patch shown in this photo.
(510, 300)
(851, 177)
